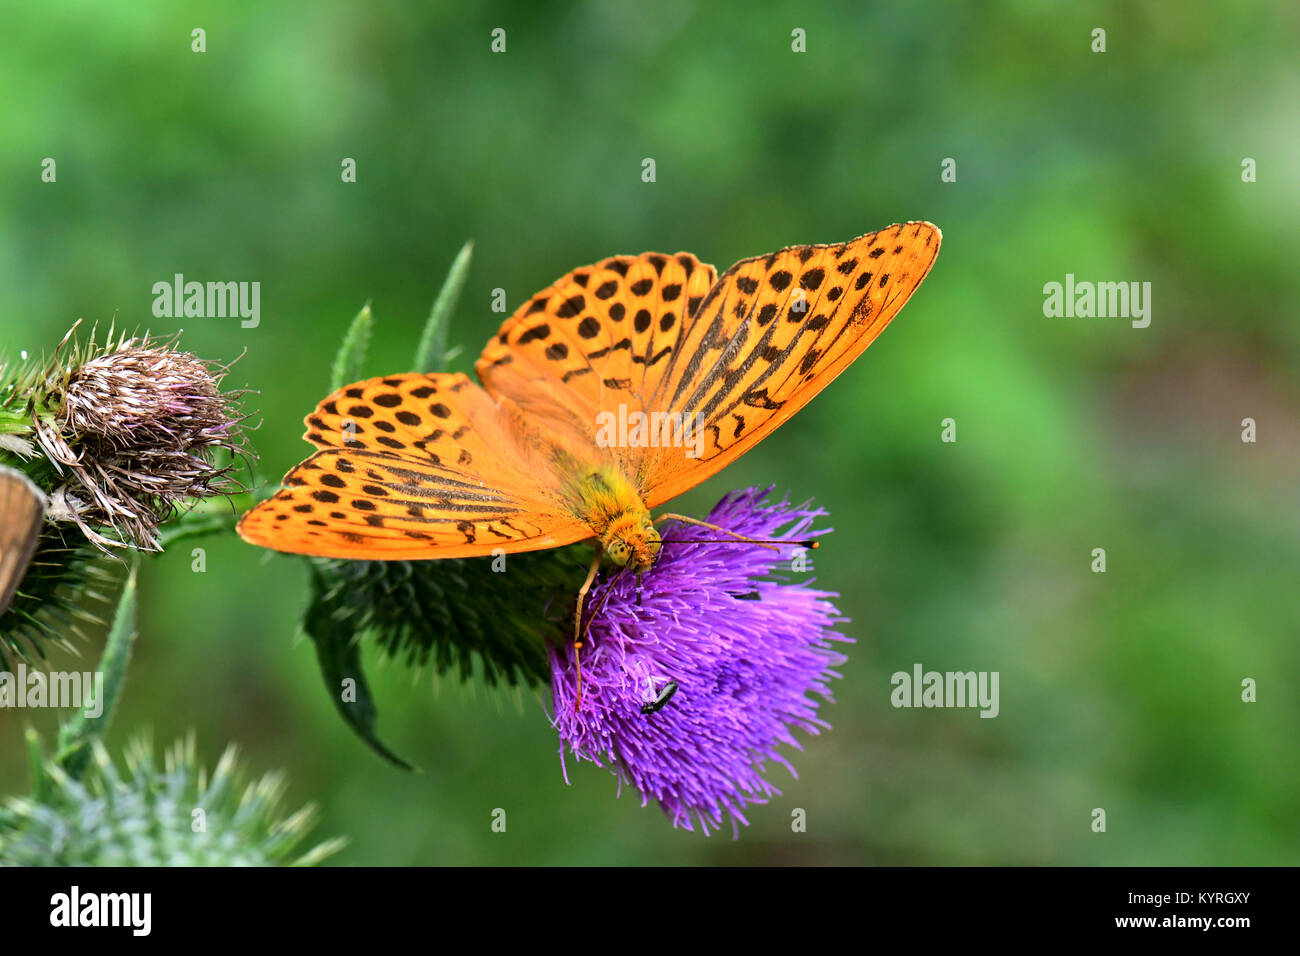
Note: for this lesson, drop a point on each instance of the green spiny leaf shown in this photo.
(351, 357)
(338, 653)
(432, 354)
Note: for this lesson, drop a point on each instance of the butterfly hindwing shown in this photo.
(772, 333)
(22, 508)
(411, 466)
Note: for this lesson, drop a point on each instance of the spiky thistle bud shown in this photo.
(173, 815)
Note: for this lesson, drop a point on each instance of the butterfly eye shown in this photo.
(618, 551)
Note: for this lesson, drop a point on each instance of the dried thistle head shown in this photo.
(144, 395)
(138, 428)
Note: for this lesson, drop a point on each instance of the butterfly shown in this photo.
(22, 513)
(622, 385)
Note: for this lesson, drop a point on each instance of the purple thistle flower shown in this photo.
(744, 644)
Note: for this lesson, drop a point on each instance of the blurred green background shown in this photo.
(1118, 690)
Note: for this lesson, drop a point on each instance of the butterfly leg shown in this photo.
(577, 622)
(714, 527)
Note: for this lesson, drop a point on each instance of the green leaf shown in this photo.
(36, 764)
(351, 357)
(432, 354)
(338, 651)
(78, 734)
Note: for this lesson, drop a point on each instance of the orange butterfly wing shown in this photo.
(750, 357)
(597, 338)
(415, 466)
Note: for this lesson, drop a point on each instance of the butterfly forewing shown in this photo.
(598, 338)
(772, 333)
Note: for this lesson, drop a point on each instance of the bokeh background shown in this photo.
(1118, 690)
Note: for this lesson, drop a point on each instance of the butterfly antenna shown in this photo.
(810, 543)
(768, 543)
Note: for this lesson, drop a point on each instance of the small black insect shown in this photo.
(665, 695)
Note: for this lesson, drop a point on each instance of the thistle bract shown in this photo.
(749, 645)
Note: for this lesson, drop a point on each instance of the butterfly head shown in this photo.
(632, 542)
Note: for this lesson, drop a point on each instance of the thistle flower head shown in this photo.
(450, 615)
(745, 643)
(137, 428)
